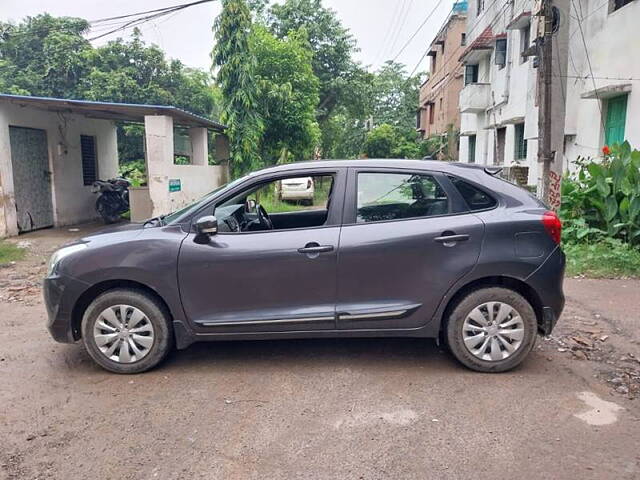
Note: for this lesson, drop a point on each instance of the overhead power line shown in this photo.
(424, 22)
(148, 16)
(114, 24)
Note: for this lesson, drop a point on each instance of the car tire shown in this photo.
(149, 337)
(510, 335)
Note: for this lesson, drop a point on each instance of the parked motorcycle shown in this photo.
(113, 200)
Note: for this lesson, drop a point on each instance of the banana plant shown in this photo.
(602, 198)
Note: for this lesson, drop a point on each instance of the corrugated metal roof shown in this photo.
(113, 111)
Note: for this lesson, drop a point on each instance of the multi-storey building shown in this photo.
(439, 113)
(603, 77)
(498, 103)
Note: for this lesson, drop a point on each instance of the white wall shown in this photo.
(73, 202)
(614, 50)
(196, 180)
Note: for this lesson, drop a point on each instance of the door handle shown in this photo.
(315, 248)
(450, 240)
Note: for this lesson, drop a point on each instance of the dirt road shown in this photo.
(338, 409)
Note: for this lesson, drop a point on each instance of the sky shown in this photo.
(380, 27)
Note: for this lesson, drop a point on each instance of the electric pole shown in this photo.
(545, 50)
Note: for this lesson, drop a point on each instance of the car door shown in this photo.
(405, 241)
(264, 281)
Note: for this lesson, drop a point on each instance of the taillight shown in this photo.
(552, 225)
(309, 183)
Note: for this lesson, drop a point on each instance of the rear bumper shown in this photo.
(296, 195)
(61, 294)
(547, 281)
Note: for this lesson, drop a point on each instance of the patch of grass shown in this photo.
(10, 253)
(604, 259)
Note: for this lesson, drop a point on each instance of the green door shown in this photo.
(616, 117)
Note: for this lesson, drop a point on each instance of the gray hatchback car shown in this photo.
(388, 248)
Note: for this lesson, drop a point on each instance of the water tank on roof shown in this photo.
(460, 7)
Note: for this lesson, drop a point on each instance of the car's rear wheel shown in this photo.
(126, 331)
(491, 329)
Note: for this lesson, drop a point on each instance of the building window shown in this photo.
(525, 40)
(520, 143)
(617, 4)
(89, 159)
(500, 57)
(418, 119)
(472, 149)
(432, 108)
(480, 7)
(616, 120)
(470, 74)
(433, 62)
(463, 39)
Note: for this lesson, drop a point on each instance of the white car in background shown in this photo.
(298, 189)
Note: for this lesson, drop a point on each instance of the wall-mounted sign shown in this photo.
(174, 185)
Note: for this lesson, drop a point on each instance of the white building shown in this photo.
(52, 150)
(603, 87)
(498, 103)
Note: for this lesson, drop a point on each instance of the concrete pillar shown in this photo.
(159, 142)
(8, 216)
(199, 146)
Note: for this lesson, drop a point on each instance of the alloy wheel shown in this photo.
(123, 333)
(493, 331)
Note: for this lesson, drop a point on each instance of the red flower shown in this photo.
(606, 150)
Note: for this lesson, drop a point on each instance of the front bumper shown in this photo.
(61, 294)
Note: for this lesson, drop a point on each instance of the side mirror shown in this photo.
(207, 225)
(250, 205)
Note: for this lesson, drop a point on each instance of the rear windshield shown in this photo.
(476, 199)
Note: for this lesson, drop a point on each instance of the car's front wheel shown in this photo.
(126, 331)
(491, 329)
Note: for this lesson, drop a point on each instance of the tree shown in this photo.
(381, 141)
(395, 96)
(236, 78)
(288, 95)
(43, 55)
(388, 141)
(331, 43)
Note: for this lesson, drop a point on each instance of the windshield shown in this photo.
(172, 217)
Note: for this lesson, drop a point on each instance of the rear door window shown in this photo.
(394, 196)
(476, 199)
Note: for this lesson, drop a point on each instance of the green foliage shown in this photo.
(331, 43)
(287, 95)
(602, 199)
(387, 141)
(44, 55)
(395, 96)
(236, 78)
(606, 258)
(10, 253)
(135, 171)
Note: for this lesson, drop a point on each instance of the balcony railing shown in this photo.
(475, 98)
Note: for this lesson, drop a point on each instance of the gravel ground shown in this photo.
(316, 409)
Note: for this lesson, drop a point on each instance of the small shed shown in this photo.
(53, 149)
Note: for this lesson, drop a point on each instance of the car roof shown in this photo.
(437, 165)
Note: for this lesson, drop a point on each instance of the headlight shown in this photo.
(60, 254)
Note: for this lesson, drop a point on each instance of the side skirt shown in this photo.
(185, 337)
